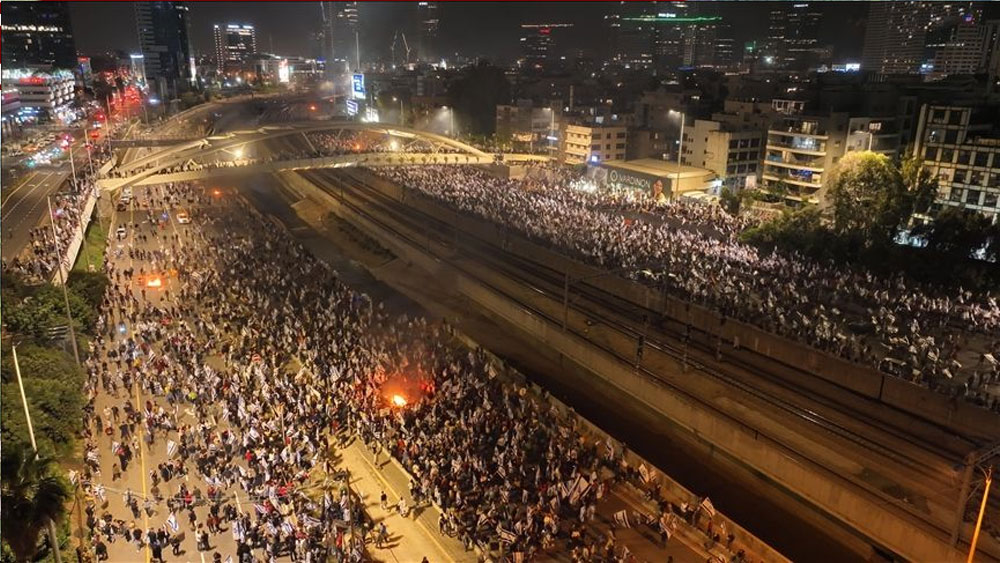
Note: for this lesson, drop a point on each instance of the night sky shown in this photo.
(487, 29)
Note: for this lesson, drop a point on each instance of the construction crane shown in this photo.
(392, 48)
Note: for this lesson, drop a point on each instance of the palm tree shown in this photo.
(32, 497)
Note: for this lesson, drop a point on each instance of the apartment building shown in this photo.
(801, 150)
(732, 152)
(593, 143)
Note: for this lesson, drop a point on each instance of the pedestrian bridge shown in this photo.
(231, 153)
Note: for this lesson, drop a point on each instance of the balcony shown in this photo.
(789, 159)
(805, 179)
(803, 145)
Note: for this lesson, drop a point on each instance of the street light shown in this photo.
(451, 114)
(402, 116)
(680, 149)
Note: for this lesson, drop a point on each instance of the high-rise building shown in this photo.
(37, 34)
(537, 44)
(166, 48)
(340, 35)
(897, 34)
(427, 31)
(793, 36)
(631, 39)
(964, 46)
(233, 44)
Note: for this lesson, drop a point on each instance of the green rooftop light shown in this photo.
(672, 18)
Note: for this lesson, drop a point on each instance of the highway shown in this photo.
(901, 460)
(24, 207)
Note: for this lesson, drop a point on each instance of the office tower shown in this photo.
(166, 49)
(538, 44)
(427, 31)
(897, 33)
(340, 40)
(233, 44)
(38, 34)
(793, 36)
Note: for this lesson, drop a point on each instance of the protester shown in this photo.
(258, 360)
(692, 251)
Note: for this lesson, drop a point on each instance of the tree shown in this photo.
(730, 200)
(475, 96)
(919, 183)
(957, 233)
(88, 285)
(32, 496)
(869, 198)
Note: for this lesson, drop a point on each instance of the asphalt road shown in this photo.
(24, 207)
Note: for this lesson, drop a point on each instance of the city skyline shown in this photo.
(489, 30)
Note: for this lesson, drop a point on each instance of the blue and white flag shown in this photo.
(171, 448)
(172, 522)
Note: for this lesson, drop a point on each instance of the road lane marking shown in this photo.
(34, 187)
(24, 182)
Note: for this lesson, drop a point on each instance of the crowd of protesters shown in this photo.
(692, 250)
(257, 361)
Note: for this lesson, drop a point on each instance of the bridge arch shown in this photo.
(184, 151)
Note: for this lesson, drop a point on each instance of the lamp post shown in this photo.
(34, 446)
(979, 519)
(64, 275)
(402, 116)
(680, 150)
(451, 116)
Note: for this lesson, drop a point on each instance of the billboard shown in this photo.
(358, 86)
(352, 108)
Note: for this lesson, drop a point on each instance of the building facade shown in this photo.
(896, 36)
(37, 34)
(593, 143)
(793, 36)
(42, 95)
(967, 46)
(427, 32)
(340, 36)
(960, 147)
(10, 110)
(802, 150)
(166, 49)
(526, 123)
(538, 45)
(733, 153)
(234, 44)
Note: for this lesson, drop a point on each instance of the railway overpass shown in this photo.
(223, 155)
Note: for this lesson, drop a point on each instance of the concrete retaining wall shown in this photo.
(960, 416)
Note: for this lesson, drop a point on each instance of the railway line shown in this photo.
(926, 459)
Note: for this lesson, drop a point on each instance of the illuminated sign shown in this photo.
(352, 108)
(358, 86)
(283, 71)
